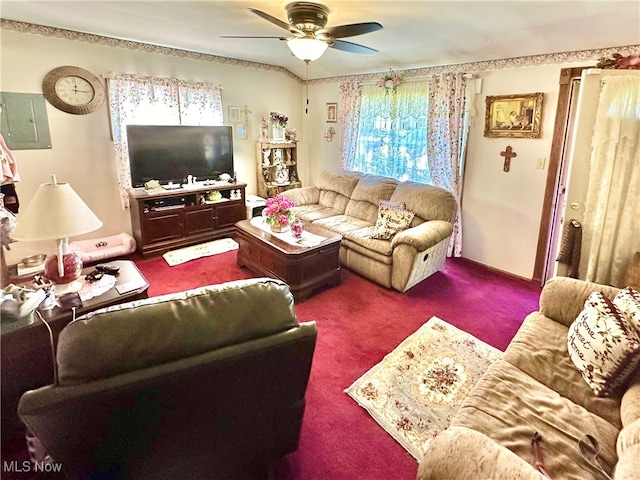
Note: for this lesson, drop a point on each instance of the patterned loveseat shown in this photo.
(348, 203)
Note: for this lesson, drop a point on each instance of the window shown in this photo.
(392, 132)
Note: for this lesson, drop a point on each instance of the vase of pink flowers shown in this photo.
(277, 213)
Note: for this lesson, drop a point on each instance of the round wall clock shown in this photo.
(73, 90)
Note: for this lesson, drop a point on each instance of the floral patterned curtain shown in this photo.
(200, 104)
(350, 94)
(611, 227)
(155, 101)
(449, 114)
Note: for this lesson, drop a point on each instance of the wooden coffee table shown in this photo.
(303, 268)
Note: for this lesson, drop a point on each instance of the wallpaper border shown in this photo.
(472, 67)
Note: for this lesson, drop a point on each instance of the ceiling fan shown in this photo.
(310, 36)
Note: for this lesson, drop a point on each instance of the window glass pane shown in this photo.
(392, 138)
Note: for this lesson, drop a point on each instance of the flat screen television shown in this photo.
(171, 153)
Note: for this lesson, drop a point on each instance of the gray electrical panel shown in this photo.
(23, 121)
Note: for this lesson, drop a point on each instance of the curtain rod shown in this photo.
(412, 79)
(114, 76)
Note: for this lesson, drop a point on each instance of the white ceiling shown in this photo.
(416, 33)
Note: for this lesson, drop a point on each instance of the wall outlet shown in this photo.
(540, 163)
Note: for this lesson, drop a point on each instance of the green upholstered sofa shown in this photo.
(535, 387)
(347, 202)
(207, 383)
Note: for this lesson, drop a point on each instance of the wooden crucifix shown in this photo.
(508, 154)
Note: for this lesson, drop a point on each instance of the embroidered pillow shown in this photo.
(602, 345)
(392, 218)
(628, 302)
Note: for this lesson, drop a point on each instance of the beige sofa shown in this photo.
(536, 388)
(347, 202)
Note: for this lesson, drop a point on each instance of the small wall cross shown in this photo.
(245, 111)
(508, 154)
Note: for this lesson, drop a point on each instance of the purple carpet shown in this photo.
(358, 323)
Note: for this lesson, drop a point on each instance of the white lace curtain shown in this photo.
(441, 111)
(612, 211)
(136, 100)
(392, 133)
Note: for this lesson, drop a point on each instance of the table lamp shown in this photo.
(56, 213)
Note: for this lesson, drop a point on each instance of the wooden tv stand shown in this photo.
(176, 218)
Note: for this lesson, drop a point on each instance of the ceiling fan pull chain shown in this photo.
(306, 87)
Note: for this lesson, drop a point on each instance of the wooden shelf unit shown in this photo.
(277, 167)
(177, 218)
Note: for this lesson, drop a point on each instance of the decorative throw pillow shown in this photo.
(628, 302)
(392, 218)
(602, 345)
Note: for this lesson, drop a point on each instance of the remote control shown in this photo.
(110, 268)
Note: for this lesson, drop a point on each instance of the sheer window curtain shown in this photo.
(392, 132)
(612, 211)
(135, 100)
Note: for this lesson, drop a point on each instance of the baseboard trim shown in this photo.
(497, 270)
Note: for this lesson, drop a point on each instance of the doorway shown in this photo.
(557, 176)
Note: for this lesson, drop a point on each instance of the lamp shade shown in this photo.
(307, 49)
(56, 212)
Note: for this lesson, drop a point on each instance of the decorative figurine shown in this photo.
(264, 130)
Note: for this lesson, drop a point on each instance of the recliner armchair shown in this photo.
(209, 383)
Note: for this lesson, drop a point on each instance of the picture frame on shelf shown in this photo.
(234, 114)
(514, 116)
(241, 130)
(332, 112)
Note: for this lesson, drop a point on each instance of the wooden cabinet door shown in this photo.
(227, 214)
(198, 220)
(163, 226)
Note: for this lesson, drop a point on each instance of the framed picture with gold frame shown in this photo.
(514, 116)
(332, 113)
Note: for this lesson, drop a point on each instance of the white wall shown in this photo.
(501, 210)
(322, 154)
(82, 150)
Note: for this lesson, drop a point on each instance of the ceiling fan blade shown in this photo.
(352, 48)
(275, 21)
(249, 36)
(351, 30)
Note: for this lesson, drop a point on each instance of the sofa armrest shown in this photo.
(628, 450)
(303, 195)
(424, 236)
(562, 298)
(483, 458)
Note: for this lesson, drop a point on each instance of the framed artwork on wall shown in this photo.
(514, 116)
(234, 114)
(241, 130)
(332, 113)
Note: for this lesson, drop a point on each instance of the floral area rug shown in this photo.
(415, 391)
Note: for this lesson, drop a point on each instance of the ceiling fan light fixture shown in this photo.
(307, 49)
